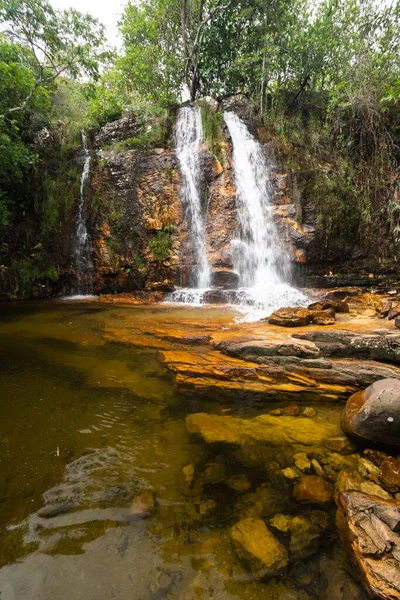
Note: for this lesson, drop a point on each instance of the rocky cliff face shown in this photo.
(138, 227)
(140, 230)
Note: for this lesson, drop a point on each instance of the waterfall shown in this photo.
(188, 143)
(258, 257)
(83, 246)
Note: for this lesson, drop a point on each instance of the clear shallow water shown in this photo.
(86, 426)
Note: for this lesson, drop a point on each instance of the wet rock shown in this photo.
(291, 317)
(224, 278)
(390, 474)
(143, 505)
(258, 548)
(216, 296)
(323, 317)
(373, 416)
(342, 293)
(336, 305)
(239, 483)
(269, 347)
(369, 529)
(304, 539)
(313, 489)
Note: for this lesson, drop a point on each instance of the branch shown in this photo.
(41, 81)
(204, 23)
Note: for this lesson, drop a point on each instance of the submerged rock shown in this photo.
(304, 539)
(373, 416)
(369, 528)
(264, 502)
(143, 505)
(281, 523)
(258, 548)
(265, 429)
(313, 489)
(239, 483)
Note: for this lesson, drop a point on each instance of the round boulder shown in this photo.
(372, 417)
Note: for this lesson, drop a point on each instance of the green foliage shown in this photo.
(152, 59)
(28, 272)
(212, 122)
(60, 191)
(160, 244)
(58, 42)
(140, 260)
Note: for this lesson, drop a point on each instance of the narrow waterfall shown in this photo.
(188, 142)
(83, 246)
(258, 257)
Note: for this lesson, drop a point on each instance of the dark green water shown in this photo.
(87, 425)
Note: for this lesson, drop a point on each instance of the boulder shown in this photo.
(372, 417)
(258, 548)
(369, 529)
(313, 489)
(291, 317)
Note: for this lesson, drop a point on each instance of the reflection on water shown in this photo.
(102, 492)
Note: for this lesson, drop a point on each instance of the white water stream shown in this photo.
(83, 246)
(188, 142)
(258, 257)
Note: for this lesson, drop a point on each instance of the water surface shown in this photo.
(86, 426)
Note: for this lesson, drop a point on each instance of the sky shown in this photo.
(107, 12)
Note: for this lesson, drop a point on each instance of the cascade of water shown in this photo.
(83, 246)
(188, 141)
(258, 257)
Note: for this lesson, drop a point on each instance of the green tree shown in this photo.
(60, 42)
